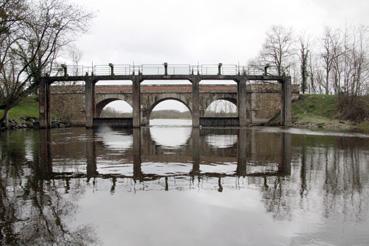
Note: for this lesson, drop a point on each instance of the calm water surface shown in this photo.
(183, 186)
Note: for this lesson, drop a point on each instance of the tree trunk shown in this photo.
(327, 84)
(4, 119)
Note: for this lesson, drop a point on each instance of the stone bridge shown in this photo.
(256, 97)
(263, 101)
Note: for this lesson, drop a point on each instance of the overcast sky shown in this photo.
(202, 31)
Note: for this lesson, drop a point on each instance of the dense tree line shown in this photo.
(32, 35)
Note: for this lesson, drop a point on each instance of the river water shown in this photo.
(182, 186)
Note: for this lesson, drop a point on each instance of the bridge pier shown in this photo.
(44, 103)
(136, 101)
(286, 102)
(242, 102)
(195, 103)
(89, 102)
(145, 117)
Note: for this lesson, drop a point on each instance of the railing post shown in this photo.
(165, 68)
(266, 69)
(89, 102)
(220, 68)
(136, 98)
(44, 103)
(65, 70)
(195, 102)
(286, 102)
(111, 69)
(242, 102)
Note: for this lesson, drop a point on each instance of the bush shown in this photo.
(353, 108)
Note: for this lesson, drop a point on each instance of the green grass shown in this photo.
(28, 107)
(320, 111)
(316, 106)
(363, 127)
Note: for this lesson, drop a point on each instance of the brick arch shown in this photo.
(105, 101)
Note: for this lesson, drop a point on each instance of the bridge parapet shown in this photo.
(163, 69)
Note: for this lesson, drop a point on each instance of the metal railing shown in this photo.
(163, 69)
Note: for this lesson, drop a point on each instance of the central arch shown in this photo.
(151, 103)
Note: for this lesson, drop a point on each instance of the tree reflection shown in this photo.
(34, 211)
(335, 172)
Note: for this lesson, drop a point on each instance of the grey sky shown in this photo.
(202, 31)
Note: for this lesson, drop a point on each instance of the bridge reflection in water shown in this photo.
(71, 187)
(209, 155)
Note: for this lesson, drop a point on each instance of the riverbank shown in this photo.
(25, 115)
(319, 112)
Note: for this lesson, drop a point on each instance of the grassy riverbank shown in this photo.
(320, 112)
(28, 107)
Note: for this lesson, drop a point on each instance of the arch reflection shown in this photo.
(113, 139)
(221, 141)
(170, 137)
(150, 162)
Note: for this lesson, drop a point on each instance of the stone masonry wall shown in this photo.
(263, 100)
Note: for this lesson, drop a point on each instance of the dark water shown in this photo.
(179, 186)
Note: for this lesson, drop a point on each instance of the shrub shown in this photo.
(353, 108)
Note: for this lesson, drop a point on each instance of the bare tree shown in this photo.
(47, 28)
(304, 53)
(278, 48)
(330, 53)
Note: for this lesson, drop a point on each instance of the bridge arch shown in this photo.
(103, 102)
(150, 102)
(170, 98)
(208, 101)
